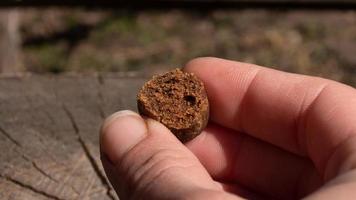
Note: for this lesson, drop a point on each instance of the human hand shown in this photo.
(271, 135)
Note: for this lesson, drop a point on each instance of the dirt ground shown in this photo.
(321, 43)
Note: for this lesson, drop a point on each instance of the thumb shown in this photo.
(144, 160)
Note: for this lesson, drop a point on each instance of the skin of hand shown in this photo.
(271, 135)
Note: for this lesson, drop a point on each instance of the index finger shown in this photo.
(302, 114)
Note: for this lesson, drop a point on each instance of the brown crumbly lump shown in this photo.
(178, 100)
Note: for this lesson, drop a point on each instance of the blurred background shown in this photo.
(142, 42)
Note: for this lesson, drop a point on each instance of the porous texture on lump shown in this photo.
(178, 100)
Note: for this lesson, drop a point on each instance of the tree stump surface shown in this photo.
(49, 134)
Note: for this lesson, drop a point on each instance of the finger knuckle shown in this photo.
(157, 163)
(142, 167)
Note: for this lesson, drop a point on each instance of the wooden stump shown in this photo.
(49, 134)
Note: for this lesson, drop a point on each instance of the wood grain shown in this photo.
(49, 128)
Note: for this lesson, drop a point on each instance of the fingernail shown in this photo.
(121, 132)
(116, 115)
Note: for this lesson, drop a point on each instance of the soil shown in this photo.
(148, 42)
